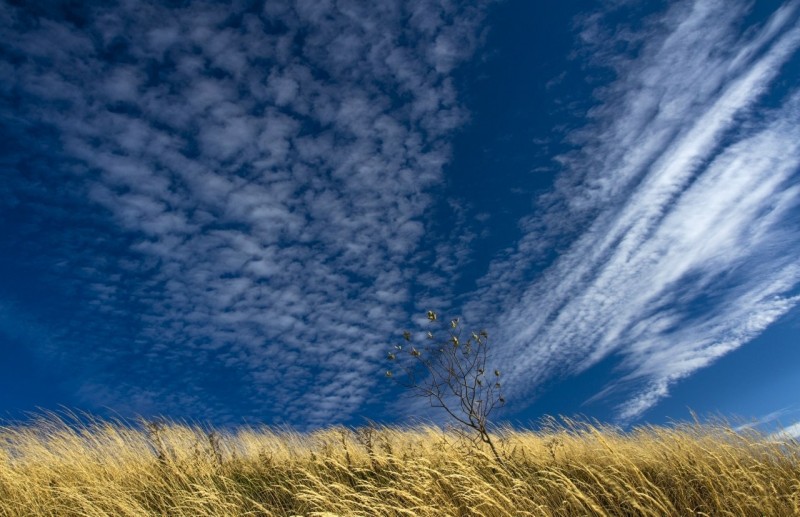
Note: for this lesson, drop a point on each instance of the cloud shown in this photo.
(262, 172)
(677, 211)
(791, 433)
(771, 418)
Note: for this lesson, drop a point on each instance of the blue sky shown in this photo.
(229, 214)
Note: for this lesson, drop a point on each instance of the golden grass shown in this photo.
(107, 468)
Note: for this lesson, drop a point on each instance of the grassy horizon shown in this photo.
(103, 467)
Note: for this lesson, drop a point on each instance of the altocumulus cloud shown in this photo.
(678, 213)
(241, 189)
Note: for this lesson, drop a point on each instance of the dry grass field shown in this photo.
(107, 468)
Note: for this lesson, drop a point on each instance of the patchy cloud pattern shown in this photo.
(677, 213)
(251, 180)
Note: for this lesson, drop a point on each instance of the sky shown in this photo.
(229, 214)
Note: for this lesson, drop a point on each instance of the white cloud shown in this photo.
(269, 185)
(680, 205)
(791, 432)
(769, 418)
